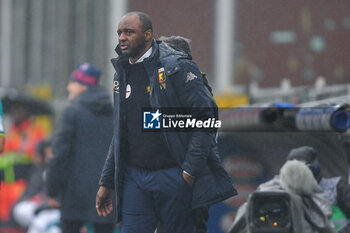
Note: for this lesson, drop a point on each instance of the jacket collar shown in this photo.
(121, 60)
(143, 57)
(153, 59)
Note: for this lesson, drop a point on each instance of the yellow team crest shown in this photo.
(161, 78)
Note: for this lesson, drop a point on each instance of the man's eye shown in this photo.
(126, 32)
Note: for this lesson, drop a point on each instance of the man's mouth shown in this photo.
(123, 46)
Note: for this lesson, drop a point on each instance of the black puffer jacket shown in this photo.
(196, 152)
(80, 146)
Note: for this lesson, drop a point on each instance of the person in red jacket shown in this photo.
(22, 136)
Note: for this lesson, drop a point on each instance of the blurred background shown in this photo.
(243, 46)
(254, 52)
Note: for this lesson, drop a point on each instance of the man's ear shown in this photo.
(148, 35)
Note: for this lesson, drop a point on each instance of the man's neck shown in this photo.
(140, 59)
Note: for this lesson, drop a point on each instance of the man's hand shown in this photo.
(104, 201)
(188, 179)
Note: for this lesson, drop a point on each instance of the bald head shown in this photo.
(145, 20)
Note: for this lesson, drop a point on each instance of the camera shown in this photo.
(270, 211)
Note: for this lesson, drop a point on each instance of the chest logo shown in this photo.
(162, 78)
(116, 86)
(190, 76)
(128, 91)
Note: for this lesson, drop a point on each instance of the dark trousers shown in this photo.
(152, 196)
(201, 220)
(75, 226)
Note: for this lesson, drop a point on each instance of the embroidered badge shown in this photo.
(161, 78)
(128, 91)
(190, 76)
(116, 86)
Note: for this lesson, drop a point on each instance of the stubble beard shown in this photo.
(136, 52)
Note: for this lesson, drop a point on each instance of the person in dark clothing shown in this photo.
(33, 196)
(337, 189)
(171, 174)
(179, 42)
(80, 145)
(309, 208)
(201, 214)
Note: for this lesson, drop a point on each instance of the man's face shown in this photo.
(74, 89)
(132, 38)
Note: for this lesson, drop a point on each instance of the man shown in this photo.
(22, 136)
(80, 145)
(337, 189)
(33, 199)
(158, 176)
(2, 130)
(179, 42)
(308, 210)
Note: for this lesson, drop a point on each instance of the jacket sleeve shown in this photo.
(63, 147)
(107, 176)
(193, 94)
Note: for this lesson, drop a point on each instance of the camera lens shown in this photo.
(270, 212)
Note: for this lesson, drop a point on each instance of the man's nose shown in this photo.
(122, 36)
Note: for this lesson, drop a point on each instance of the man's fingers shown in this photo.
(98, 209)
(104, 210)
(99, 212)
(98, 206)
(107, 209)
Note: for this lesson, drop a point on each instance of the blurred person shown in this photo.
(41, 158)
(80, 145)
(309, 210)
(2, 129)
(46, 221)
(183, 43)
(177, 42)
(158, 177)
(34, 199)
(333, 194)
(24, 133)
(337, 189)
(22, 136)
